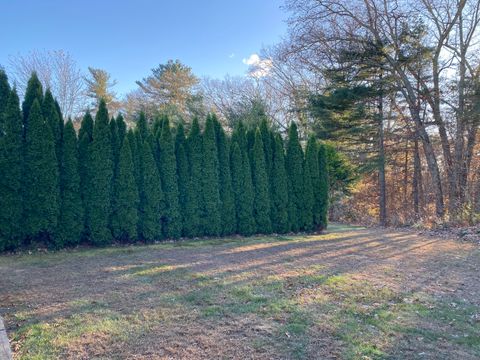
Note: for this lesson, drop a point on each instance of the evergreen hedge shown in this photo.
(154, 182)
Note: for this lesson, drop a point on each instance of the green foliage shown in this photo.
(121, 128)
(70, 223)
(4, 95)
(150, 206)
(99, 180)
(171, 220)
(11, 165)
(194, 190)
(211, 194)
(124, 217)
(40, 186)
(261, 205)
(311, 185)
(183, 175)
(323, 187)
(295, 173)
(243, 190)
(279, 182)
(33, 92)
(225, 180)
(53, 118)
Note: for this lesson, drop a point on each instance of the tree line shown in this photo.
(155, 181)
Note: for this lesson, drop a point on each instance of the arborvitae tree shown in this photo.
(124, 218)
(116, 145)
(239, 136)
(243, 190)
(268, 145)
(311, 163)
(70, 222)
(52, 117)
(308, 199)
(323, 188)
(211, 193)
(279, 182)
(11, 163)
(85, 138)
(171, 221)
(183, 174)
(261, 205)
(294, 166)
(121, 128)
(33, 92)
(41, 190)
(99, 181)
(134, 147)
(142, 126)
(4, 96)
(149, 225)
(192, 227)
(225, 180)
(250, 138)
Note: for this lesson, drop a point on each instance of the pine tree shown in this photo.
(225, 180)
(70, 223)
(192, 227)
(99, 181)
(261, 205)
(171, 221)
(150, 206)
(33, 92)
(211, 194)
(41, 187)
(294, 166)
(52, 117)
(243, 190)
(323, 188)
(125, 204)
(11, 164)
(279, 182)
(183, 175)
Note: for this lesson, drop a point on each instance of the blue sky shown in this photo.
(128, 38)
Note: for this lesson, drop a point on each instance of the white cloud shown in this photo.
(231, 56)
(257, 67)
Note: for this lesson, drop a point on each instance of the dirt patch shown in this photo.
(346, 294)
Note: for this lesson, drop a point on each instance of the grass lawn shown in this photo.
(351, 293)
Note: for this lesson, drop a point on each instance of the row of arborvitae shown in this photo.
(155, 182)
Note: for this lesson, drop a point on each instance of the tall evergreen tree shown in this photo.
(41, 181)
(33, 92)
(294, 166)
(171, 221)
(312, 162)
(52, 117)
(261, 206)
(211, 194)
(183, 175)
(121, 128)
(70, 222)
(4, 96)
(239, 135)
(308, 198)
(225, 180)
(150, 206)
(142, 126)
(192, 227)
(99, 181)
(85, 138)
(11, 163)
(243, 190)
(279, 182)
(125, 201)
(323, 188)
